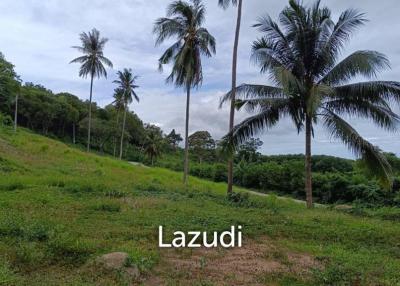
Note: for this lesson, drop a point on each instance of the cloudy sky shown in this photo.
(37, 35)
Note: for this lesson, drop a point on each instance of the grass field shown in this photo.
(61, 208)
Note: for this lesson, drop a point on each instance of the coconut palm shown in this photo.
(118, 105)
(312, 87)
(192, 41)
(126, 82)
(224, 4)
(152, 146)
(92, 64)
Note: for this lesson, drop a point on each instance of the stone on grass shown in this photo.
(117, 261)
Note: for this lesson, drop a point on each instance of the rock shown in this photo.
(117, 261)
(114, 260)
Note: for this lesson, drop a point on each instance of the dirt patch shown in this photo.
(248, 265)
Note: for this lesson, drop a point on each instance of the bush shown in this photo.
(239, 199)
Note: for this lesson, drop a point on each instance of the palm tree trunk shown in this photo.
(115, 138)
(90, 112)
(73, 133)
(122, 134)
(308, 186)
(16, 113)
(186, 160)
(234, 73)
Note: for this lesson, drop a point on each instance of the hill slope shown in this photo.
(61, 208)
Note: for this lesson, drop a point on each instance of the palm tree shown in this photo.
(126, 82)
(311, 86)
(93, 62)
(152, 146)
(118, 104)
(224, 4)
(192, 41)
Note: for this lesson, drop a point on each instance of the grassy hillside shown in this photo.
(61, 208)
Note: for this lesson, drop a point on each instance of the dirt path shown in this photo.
(256, 263)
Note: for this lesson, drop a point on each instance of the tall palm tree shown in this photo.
(126, 82)
(118, 104)
(92, 64)
(192, 41)
(224, 4)
(312, 87)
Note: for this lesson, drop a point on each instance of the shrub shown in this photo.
(239, 199)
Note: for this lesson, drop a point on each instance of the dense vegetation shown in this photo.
(61, 208)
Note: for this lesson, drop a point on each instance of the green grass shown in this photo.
(60, 208)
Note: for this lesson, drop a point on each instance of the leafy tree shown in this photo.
(224, 4)
(247, 151)
(92, 64)
(301, 56)
(201, 143)
(126, 83)
(80, 111)
(174, 139)
(193, 41)
(10, 84)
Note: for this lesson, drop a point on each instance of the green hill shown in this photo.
(61, 208)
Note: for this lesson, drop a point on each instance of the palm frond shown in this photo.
(250, 91)
(268, 117)
(370, 154)
(372, 90)
(364, 63)
(225, 3)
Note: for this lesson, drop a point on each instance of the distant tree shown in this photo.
(80, 112)
(93, 62)
(193, 41)
(126, 82)
(247, 151)
(174, 139)
(201, 143)
(224, 4)
(301, 56)
(153, 145)
(10, 85)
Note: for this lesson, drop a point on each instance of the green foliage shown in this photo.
(7, 276)
(67, 248)
(48, 232)
(108, 207)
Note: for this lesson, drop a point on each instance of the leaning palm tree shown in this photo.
(311, 87)
(118, 105)
(224, 4)
(192, 41)
(93, 62)
(126, 83)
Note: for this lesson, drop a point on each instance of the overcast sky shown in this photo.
(37, 35)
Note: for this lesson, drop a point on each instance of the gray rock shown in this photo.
(116, 261)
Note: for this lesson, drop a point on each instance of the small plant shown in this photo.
(108, 207)
(239, 199)
(7, 276)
